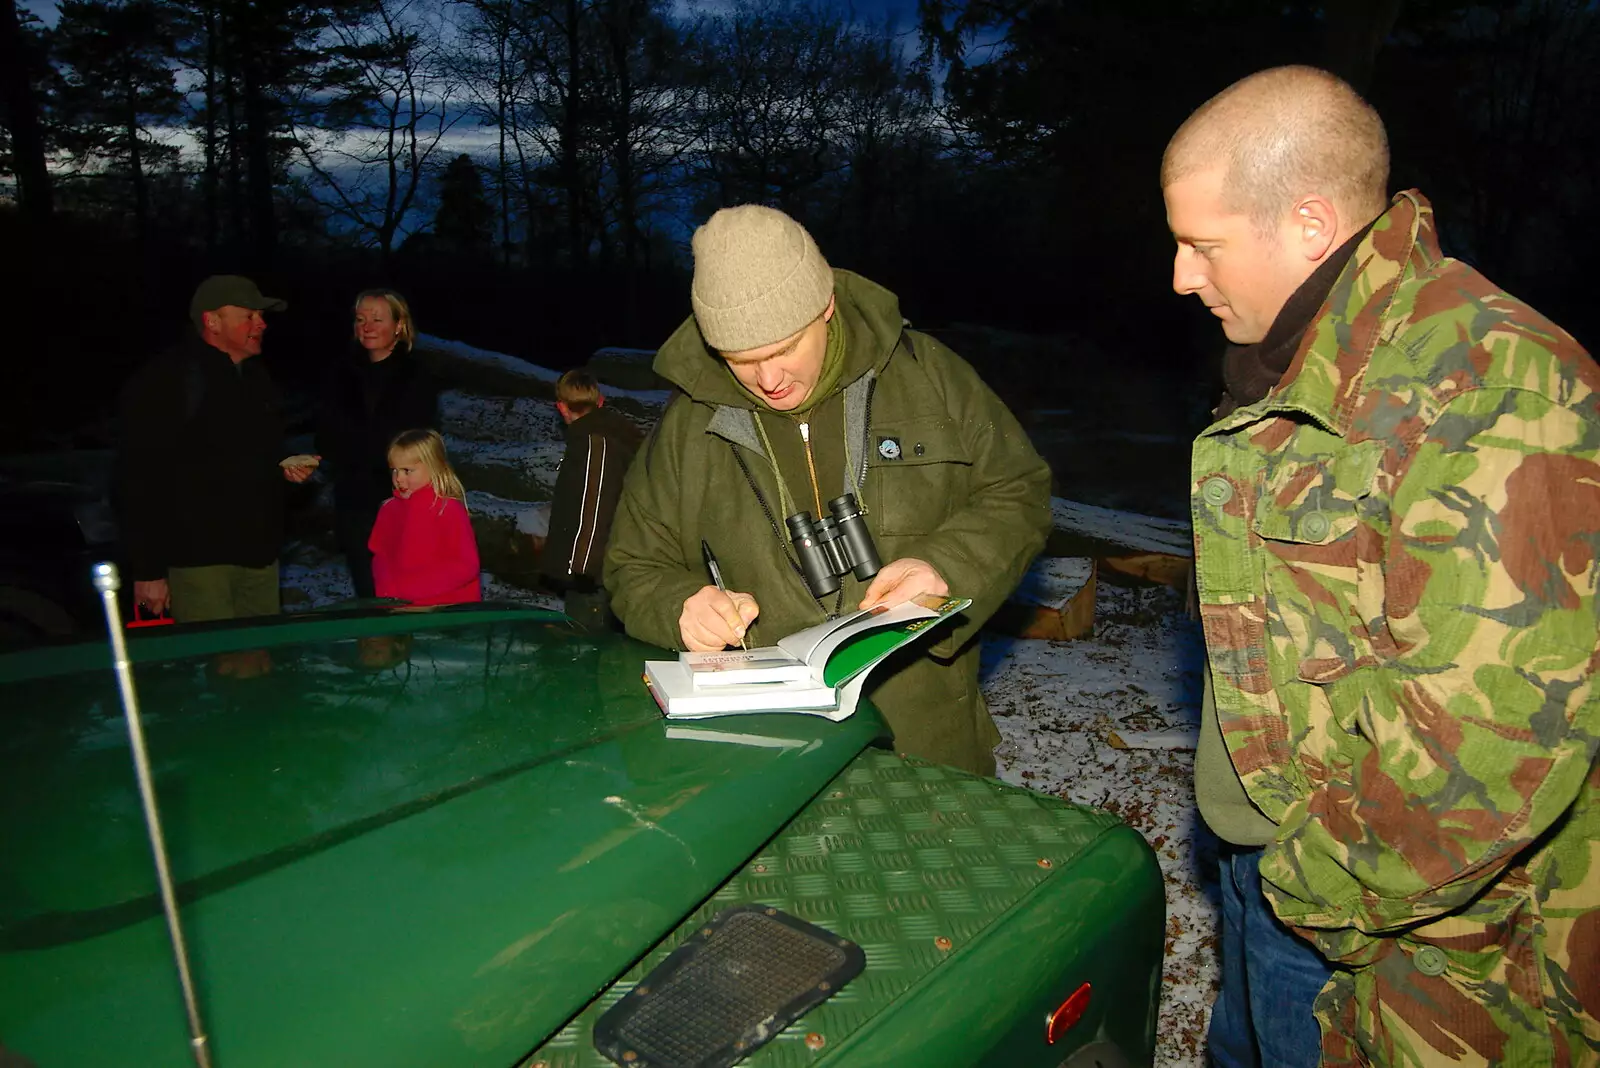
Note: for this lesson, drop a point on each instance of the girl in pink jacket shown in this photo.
(423, 549)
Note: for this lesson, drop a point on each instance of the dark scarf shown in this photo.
(1250, 372)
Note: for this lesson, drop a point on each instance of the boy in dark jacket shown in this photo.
(600, 446)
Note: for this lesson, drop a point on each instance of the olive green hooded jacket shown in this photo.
(944, 471)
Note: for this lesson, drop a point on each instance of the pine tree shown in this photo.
(23, 148)
(464, 224)
(117, 86)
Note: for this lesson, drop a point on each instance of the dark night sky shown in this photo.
(872, 12)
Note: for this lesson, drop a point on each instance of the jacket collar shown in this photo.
(592, 421)
(199, 349)
(420, 497)
(1325, 377)
(398, 360)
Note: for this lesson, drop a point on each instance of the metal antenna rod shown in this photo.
(108, 582)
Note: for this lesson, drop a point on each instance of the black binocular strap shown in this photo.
(777, 531)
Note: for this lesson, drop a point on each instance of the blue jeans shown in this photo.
(1262, 1017)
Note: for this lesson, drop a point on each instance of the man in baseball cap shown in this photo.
(202, 465)
(226, 310)
(801, 383)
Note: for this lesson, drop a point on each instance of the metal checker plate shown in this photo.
(895, 854)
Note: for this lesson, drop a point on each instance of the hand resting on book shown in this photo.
(903, 579)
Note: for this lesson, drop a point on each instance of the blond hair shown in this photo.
(405, 328)
(1282, 134)
(579, 391)
(429, 447)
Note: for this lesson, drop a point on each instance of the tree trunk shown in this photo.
(27, 133)
(130, 130)
(258, 169)
(230, 98)
(502, 93)
(571, 169)
(211, 181)
(620, 31)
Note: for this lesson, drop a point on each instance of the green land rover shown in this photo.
(467, 848)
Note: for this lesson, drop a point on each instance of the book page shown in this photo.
(802, 643)
(815, 644)
(671, 684)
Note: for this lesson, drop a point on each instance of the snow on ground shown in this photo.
(480, 503)
(1057, 703)
(1149, 533)
(539, 460)
(524, 369)
(512, 420)
(464, 351)
(312, 579)
(495, 590)
(1066, 710)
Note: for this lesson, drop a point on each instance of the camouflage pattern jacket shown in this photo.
(1396, 554)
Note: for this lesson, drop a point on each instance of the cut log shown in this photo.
(1055, 601)
(1128, 531)
(1164, 568)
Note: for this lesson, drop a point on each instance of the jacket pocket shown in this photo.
(917, 476)
(1470, 979)
(1309, 517)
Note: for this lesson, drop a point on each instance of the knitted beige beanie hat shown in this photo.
(758, 278)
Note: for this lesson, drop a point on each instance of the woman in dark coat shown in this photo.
(375, 390)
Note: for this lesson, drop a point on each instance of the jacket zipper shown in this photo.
(811, 466)
(866, 442)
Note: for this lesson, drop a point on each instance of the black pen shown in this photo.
(716, 574)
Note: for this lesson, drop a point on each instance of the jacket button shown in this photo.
(1217, 491)
(918, 450)
(1314, 526)
(1430, 961)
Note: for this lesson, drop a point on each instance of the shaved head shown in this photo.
(1283, 134)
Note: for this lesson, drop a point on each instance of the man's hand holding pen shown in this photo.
(715, 617)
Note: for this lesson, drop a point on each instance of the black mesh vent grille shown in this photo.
(737, 982)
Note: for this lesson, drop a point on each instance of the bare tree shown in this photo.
(368, 128)
(767, 75)
(646, 117)
(490, 68)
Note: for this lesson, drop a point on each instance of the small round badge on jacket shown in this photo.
(889, 448)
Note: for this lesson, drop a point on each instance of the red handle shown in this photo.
(154, 621)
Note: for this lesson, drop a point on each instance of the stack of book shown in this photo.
(819, 670)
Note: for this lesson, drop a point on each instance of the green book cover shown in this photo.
(863, 651)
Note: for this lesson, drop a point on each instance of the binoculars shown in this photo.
(833, 545)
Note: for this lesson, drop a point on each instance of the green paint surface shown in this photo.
(435, 863)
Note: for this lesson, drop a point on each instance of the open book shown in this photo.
(819, 670)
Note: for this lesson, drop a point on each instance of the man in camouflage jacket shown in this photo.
(1396, 560)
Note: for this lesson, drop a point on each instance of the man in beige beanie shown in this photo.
(800, 383)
